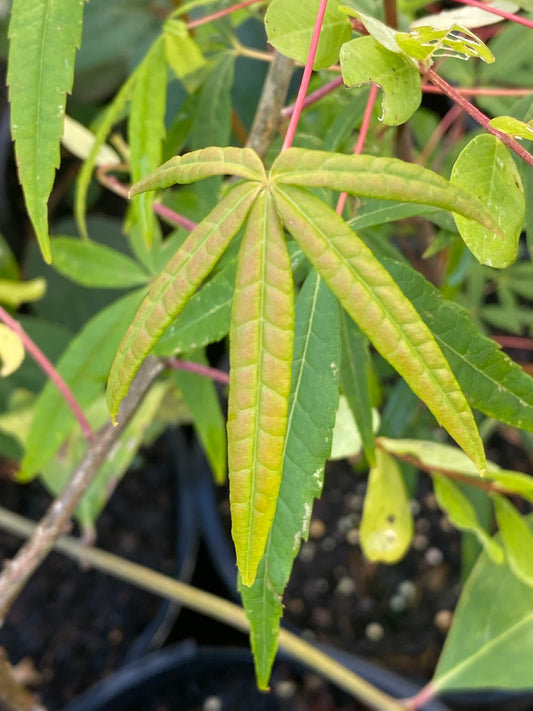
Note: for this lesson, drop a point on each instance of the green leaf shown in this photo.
(146, 128)
(486, 169)
(197, 165)
(183, 54)
(490, 380)
(201, 398)
(44, 36)
(513, 127)
(364, 61)
(376, 177)
(355, 379)
(376, 303)
(206, 317)
(212, 124)
(382, 33)
(95, 265)
(387, 523)
(346, 436)
(463, 515)
(490, 644)
(175, 286)
(261, 345)
(516, 538)
(84, 366)
(433, 456)
(289, 27)
(314, 382)
(15, 293)
(110, 116)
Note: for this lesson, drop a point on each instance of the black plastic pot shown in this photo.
(185, 677)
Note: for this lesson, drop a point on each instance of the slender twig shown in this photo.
(314, 96)
(495, 11)
(268, 113)
(308, 70)
(444, 124)
(48, 368)
(222, 13)
(365, 124)
(514, 342)
(112, 183)
(190, 366)
(424, 695)
(19, 570)
(480, 90)
(477, 115)
(208, 604)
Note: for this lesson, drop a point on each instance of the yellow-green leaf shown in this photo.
(261, 343)
(486, 169)
(11, 351)
(387, 524)
(379, 307)
(175, 285)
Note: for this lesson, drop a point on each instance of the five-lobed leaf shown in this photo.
(175, 285)
(376, 303)
(44, 36)
(261, 345)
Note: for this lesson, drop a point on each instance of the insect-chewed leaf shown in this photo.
(364, 61)
(313, 401)
(425, 42)
(197, 165)
(261, 344)
(44, 36)
(486, 169)
(379, 307)
(387, 523)
(175, 285)
(377, 177)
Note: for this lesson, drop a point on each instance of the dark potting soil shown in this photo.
(74, 626)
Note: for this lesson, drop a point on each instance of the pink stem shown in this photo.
(447, 120)
(174, 217)
(47, 367)
(314, 96)
(198, 369)
(365, 124)
(514, 342)
(501, 13)
(308, 70)
(222, 13)
(479, 91)
(478, 115)
(423, 696)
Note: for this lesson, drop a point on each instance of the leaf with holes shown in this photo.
(261, 343)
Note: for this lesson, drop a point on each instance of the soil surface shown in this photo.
(74, 626)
